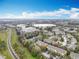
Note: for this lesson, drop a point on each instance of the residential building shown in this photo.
(57, 50)
(74, 55)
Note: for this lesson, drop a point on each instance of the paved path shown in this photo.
(11, 50)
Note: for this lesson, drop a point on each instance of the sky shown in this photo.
(39, 9)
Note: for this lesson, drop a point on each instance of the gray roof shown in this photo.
(46, 54)
(74, 55)
(57, 50)
(29, 29)
(40, 43)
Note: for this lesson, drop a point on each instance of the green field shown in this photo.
(21, 51)
(4, 50)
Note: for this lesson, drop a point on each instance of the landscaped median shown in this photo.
(3, 45)
(22, 52)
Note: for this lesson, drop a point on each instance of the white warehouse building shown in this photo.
(44, 25)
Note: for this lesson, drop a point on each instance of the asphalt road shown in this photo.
(11, 50)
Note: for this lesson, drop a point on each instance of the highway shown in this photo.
(11, 50)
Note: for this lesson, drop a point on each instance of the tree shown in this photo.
(49, 28)
(67, 57)
(27, 43)
(77, 48)
(43, 48)
(2, 45)
(40, 56)
(31, 46)
(21, 53)
(15, 46)
(36, 50)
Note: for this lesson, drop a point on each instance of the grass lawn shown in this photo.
(3, 37)
(26, 53)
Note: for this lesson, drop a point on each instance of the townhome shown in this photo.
(30, 32)
(53, 49)
(41, 44)
(74, 55)
(57, 50)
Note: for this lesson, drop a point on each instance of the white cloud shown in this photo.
(73, 13)
(75, 9)
(74, 16)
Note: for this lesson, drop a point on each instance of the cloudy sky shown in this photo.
(42, 9)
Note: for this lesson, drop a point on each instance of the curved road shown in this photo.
(11, 50)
